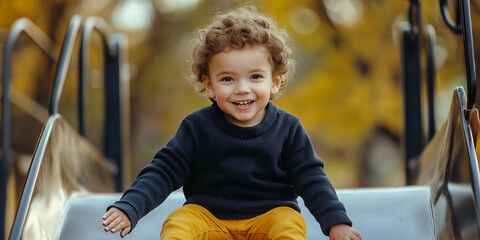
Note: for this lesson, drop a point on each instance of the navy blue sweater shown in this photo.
(237, 172)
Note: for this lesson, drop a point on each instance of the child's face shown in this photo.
(241, 81)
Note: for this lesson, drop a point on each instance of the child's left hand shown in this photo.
(344, 232)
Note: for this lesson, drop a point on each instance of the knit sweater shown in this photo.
(237, 172)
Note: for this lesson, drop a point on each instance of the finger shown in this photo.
(357, 233)
(107, 221)
(125, 231)
(121, 225)
(108, 213)
(114, 225)
(110, 218)
(115, 216)
(105, 218)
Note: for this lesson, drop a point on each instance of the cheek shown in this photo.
(220, 93)
(265, 91)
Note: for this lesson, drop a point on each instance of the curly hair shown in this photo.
(237, 29)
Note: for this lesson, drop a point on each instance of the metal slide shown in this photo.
(68, 188)
(400, 213)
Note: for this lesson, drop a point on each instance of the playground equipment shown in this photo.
(68, 189)
(104, 171)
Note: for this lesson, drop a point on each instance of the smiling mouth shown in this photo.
(243, 103)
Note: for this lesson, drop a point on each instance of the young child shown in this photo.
(241, 161)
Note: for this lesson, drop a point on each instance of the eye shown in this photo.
(226, 79)
(256, 76)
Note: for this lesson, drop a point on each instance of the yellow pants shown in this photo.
(193, 222)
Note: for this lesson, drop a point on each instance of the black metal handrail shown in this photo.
(415, 20)
(456, 26)
(23, 25)
(91, 24)
(463, 26)
(113, 72)
(113, 54)
(117, 118)
(411, 68)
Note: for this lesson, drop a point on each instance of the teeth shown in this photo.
(243, 102)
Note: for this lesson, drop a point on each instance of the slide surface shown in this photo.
(383, 213)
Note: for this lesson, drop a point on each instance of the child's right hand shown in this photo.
(115, 220)
(344, 232)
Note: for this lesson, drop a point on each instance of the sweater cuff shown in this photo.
(333, 218)
(129, 210)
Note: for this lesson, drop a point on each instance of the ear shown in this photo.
(208, 86)
(276, 83)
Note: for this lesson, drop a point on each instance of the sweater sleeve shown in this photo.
(305, 169)
(167, 172)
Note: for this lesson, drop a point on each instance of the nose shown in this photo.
(242, 87)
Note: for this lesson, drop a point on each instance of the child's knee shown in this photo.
(180, 224)
(288, 224)
(192, 222)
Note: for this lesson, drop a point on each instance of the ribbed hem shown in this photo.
(333, 218)
(244, 132)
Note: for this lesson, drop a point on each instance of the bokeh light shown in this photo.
(134, 17)
(304, 20)
(171, 6)
(344, 12)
